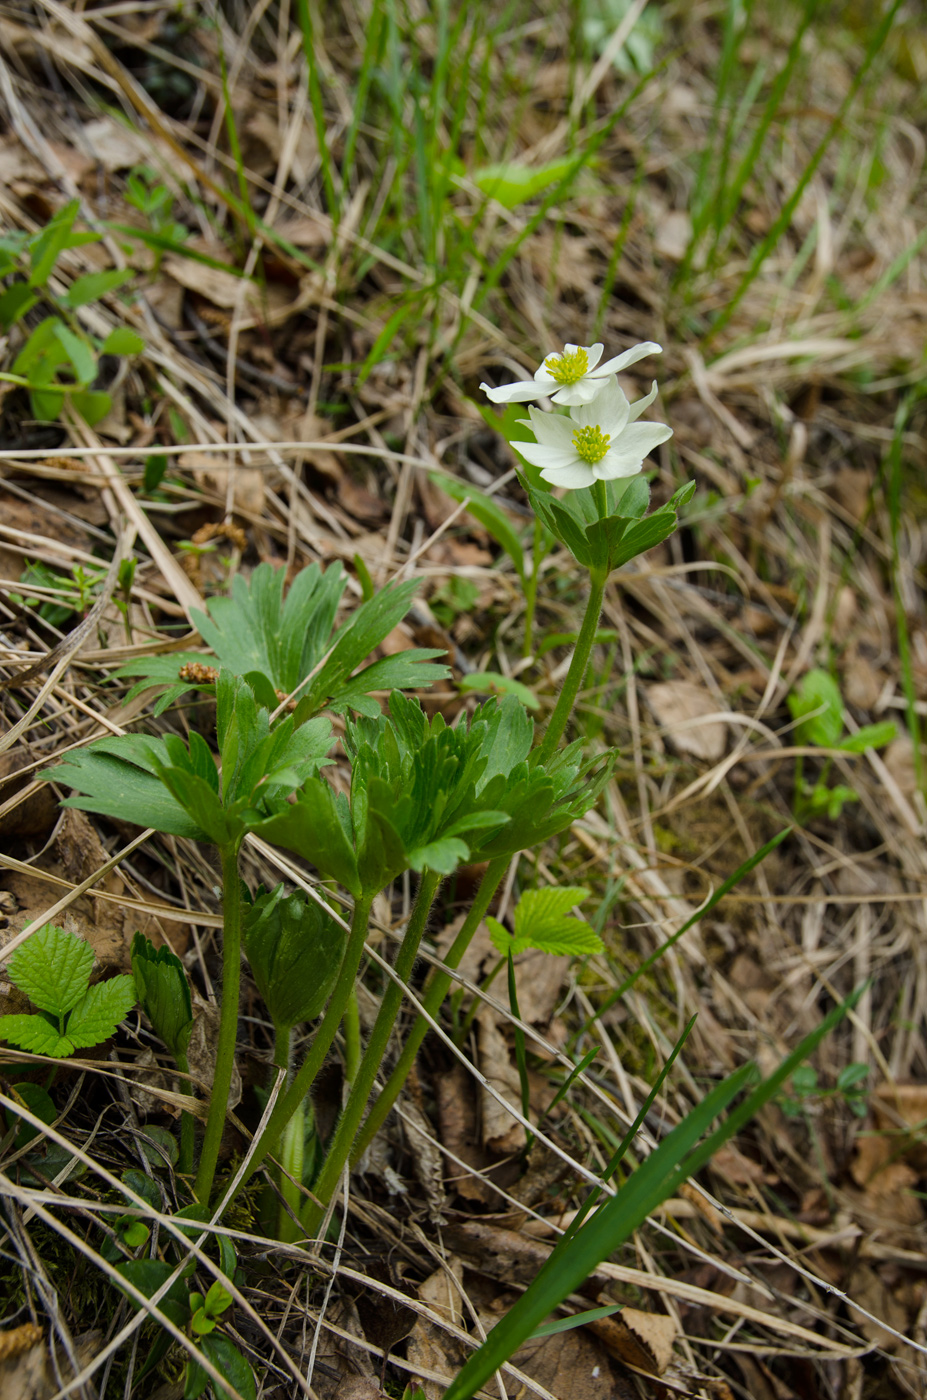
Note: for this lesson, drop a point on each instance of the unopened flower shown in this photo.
(571, 377)
(599, 441)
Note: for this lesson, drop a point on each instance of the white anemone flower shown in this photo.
(573, 377)
(599, 441)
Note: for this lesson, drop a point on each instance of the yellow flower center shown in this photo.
(591, 444)
(569, 367)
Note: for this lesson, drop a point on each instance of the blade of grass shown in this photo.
(720, 892)
(784, 218)
(304, 14)
(894, 492)
(677, 1158)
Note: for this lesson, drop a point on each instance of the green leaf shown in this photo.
(229, 1362)
(512, 183)
(92, 404)
(50, 242)
(316, 828)
(53, 968)
(163, 993)
(39, 1102)
(122, 341)
(15, 303)
(567, 1324)
(817, 705)
(148, 1275)
(95, 285)
(489, 514)
(871, 736)
(295, 950)
(35, 1034)
(217, 1299)
(201, 1323)
(119, 777)
(442, 856)
(98, 1013)
(852, 1075)
(542, 922)
(78, 352)
(493, 683)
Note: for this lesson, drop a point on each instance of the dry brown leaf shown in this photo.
(539, 979)
(221, 288)
(894, 1105)
(211, 471)
(642, 1339)
(429, 1346)
(26, 1372)
(678, 707)
(573, 1366)
(427, 1159)
(455, 1098)
(673, 234)
(502, 1133)
(357, 1388)
(114, 146)
(870, 1290)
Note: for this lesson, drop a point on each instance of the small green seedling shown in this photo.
(53, 968)
(154, 201)
(59, 357)
(817, 708)
(198, 1314)
(805, 1088)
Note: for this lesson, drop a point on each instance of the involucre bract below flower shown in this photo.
(573, 376)
(599, 441)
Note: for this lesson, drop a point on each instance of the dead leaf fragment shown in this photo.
(429, 1346)
(642, 1339)
(679, 706)
(674, 234)
(502, 1132)
(221, 288)
(573, 1366)
(212, 472)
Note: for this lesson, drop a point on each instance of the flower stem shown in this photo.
(228, 1020)
(304, 1077)
(352, 1037)
(567, 698)
(359, 1096)
(187, 1125)
(435, 993)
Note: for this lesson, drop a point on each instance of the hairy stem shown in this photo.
(228, 1020)
(304, 1077)
(574, 679)
(431, 1002)
(362, 1085)
(352, 1037)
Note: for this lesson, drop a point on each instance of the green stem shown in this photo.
(352, 1037)
(228, 1020)
(435, 993)
(574, 679)
(531, 589)
(359, 1097)
(302, 1081)
(187, 1125)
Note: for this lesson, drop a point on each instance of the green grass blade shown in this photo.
(235, 145)
(318, 111)
(781, 223)
(678, 1157)
(894, 493)
(720, 892)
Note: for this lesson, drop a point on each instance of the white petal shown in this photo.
(583, 391)
(550, 428)
(608, 410)
(639, 405)
(630, 357)
(543, 375)
(541, 454)
(573, 477)
(595, 354)
(617, 464)
(519, 392)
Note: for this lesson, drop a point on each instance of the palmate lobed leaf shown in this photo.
(53, 968)
(542, 922)
(277, 643)
(118, 778)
